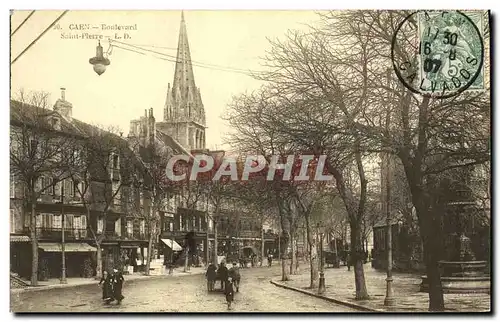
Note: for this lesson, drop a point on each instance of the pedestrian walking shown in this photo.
(269, 259)
(222, 273)
(107, 288)
(117, 281)
(229, 291)
(211, 275)
(234, 275)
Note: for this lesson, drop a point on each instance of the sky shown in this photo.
(134, 82)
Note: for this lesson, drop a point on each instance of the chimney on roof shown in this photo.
(64, 107)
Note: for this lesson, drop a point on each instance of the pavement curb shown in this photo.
(57, 286)
(345, 303)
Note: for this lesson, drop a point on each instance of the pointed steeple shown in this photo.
(183, 114)
(183, 76)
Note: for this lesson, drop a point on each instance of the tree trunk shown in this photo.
(430, 236)
(436, 300)
(284, 268)
(262, 244)
(215, 243)
(313, 264)
(297, 264)
(313, 254)
(186, 261)
(34, 244)
(284, 260)
(357, 262)
(149, 255)
(293, 265)
(98, 269)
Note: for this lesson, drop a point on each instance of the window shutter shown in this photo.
(38, 185)
(27, 218)
(12, 186)
(38, 220)
(67, 188)
(100, 225)
(57, 222)
(78, 222)
(73, 190)
(43, 185)
(12, 221)
(48, 221)
(68, 221)
(118, 226)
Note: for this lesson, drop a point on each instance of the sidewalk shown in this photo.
(77, 281)
(340, 289)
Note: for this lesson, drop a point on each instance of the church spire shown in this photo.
(183, 76)
(184, 114)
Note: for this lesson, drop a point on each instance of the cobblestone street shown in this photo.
(177, 294)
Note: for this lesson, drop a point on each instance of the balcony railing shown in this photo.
(195, 229)
(140, 236)
(56, 233)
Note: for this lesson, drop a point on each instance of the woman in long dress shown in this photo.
(106, 284)
(118, 285)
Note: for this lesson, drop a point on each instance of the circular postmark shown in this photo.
(439, 53)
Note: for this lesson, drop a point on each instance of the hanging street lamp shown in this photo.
(99, 61)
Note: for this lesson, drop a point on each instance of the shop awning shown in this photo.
(19, 239)
(172, 244)
(68, 247)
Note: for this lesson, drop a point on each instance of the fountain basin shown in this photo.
(461, 277)
(460, 285)
(462, 268)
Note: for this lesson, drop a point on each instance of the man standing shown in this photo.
(269, 259)
(211, 275)
(229, 292)
(222, 272)
(234, 275)
(118, 280)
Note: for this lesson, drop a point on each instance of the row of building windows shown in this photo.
(74, 189)
(48, 221)
(47, 186)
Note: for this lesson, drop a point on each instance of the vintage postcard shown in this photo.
(250, 161)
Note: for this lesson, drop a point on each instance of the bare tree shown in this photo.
(424, 133)
(331, 86)
(105, 167)
(41, 155)
(157, 189)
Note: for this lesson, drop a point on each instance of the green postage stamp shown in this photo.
(451, 51)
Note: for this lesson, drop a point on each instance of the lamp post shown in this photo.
(321, 286)
(389, 296)
(337, 263)
(207, 241)
(171, 266)
(63, 253)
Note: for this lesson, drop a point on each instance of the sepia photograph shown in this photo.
(250, 161)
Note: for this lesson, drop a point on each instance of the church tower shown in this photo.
(184, 114)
